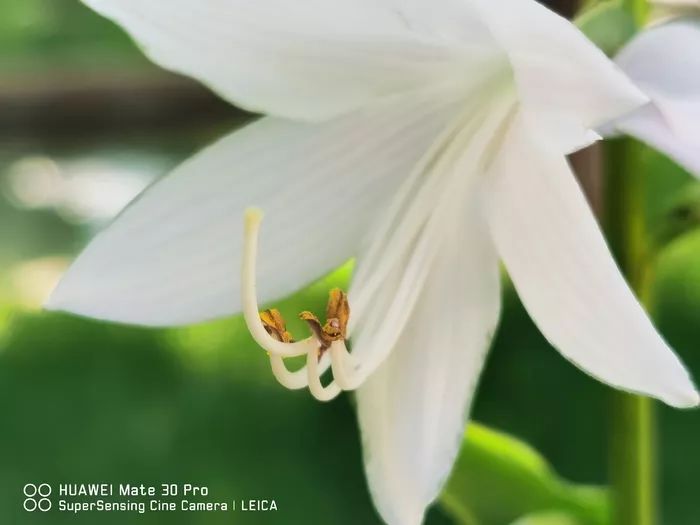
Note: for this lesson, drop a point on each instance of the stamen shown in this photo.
(320, 392)
(315, 327)
(331, 336)
(253, 218)
(337, 315)
(295, 379)
(269, 330)
(275, 325)
(343, 367)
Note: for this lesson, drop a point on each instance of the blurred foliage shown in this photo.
(53, 34)
(498, 479)
(83, 402)
(680, 215)
(608, 24)
(548, 518)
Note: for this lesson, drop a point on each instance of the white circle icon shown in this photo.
(31, 504)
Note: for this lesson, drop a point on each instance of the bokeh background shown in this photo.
(85, 123)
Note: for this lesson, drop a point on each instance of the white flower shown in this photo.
(664, 61)
(428, 140)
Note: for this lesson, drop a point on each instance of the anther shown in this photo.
(275, 325)
(332, 336)
(337, 315)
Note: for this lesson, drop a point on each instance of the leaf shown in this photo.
(499, 479)
(680, 218)
(548, 518)
(608, 25)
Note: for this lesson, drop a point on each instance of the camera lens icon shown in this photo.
(37, 497)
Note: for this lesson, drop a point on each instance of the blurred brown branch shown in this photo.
(76, 102)
(566, 8)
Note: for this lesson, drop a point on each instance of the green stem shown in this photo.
(633, 440)
(639, 10)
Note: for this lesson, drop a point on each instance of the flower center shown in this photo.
(269, 330)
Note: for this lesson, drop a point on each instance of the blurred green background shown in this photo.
(85, 123)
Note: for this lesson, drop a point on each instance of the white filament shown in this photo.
(343, 366)
(297, 379)
(320, 392)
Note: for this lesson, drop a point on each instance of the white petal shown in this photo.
(173, 256)
(663, 59)
(394, 266)
(650, 126)
(302, 60)
(567, 86)
(451, 20)
(665, 62)
(566, 277)
(412, 410)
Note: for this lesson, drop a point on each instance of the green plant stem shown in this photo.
(639, 10)
(633, 440)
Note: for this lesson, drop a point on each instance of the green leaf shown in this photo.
(680, 218)
(548, 518)
(608, 25)
(499, 479)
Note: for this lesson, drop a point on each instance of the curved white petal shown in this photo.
(650, 126)
(173, 256)
(556, 255)
(309, 60)
(567, 86)
(665, 62)
(412, 410)
(456, 21)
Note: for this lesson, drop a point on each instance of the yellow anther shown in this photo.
(275, 325)
(337, 315)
